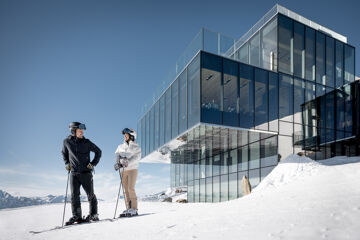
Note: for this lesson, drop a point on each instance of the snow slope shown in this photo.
(300, 199)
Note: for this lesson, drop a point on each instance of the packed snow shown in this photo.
(299, 199)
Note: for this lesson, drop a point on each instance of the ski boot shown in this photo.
(92, 218)
(124, 213)
(73, 220)
(132, 212)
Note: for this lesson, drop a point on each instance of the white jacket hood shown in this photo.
(132, 152)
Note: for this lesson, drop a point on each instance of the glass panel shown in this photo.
(224, 188)
(243, 53)
(285, 98)
(240, 177)
(174, 109)
(286, 128)
(261, 97)
(309, 108)
(233, 186)
(196, 169)
(202, 190)
(299, 50)
(233, 157)
(182, 103)
(190, 192)
(244, 158)
(210, 41)
(299, 98)
(193, 103)
(310, 54)
(348, 111)
(216, 189)
(230, 82)
(190, 171)
(143, 135)
(349, 64)
(254, 155)
(269, 46)
(152, 126)
(330, 109)
(224, 168)
(320, 58)
(196, 191)
(168, 115)
(273, 102)
(209, 168)
(330, 55)
(202, 168)
(246, 96)
(162, 120)
(211, 89)
(254, 178)
(340, 113)
(147, 133)
(285, 44)
(254, 45)
(209, 190)
(339, 63)
(285, 147)
(216, 165)
(268, 152)
(157, 118)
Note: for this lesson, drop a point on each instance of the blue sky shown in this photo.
(97, 62)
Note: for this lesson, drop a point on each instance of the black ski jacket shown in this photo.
(76, 151)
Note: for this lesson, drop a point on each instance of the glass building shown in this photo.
(237, 108)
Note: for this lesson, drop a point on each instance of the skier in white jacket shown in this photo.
(127, 156)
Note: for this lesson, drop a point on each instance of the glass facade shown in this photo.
(288, 89)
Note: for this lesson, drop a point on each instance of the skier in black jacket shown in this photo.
(76, 153)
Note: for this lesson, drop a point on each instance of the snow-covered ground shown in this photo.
(300, 199)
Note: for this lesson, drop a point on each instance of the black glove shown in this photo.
(68, 167)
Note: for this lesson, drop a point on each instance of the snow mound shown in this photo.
(288, 170)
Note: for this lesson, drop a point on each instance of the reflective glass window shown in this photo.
(233, 186)
(224, 188)
(152, 125)
(330, 60)
(299, 99)
(182, 102)
(211, 89)
(209, 190)
(168, 115)
(157, 129)
(285, 97)
(196, 190)
(216, 189)
(190, 192)
(285, 146)
(246, 96)
(339, 55)
(216, 165)
(243, 158)
(320, 58)
(273, 101)
(202, 190)
(254, 177)
(254, 155)
(269, 46)
(193, 94)
(285, 44)
(243, 53)
(261, 99)
(268, 151)
(340, 112)
(254, 46)
(162, 120)
(147, 133)
(309, 54)
(174, 109)
(348, 111)
(349, 56)
(299, 50)
(230, 83)
(233, 157)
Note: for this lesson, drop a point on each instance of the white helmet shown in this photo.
(131, 132)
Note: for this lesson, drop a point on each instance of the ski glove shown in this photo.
(117, 166)
(68, 167)
(124, 162)
(90, 166)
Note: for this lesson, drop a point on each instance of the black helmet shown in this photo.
(75, 125)
(131, 133)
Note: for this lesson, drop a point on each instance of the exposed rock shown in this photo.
(181, 201)
(168, 199)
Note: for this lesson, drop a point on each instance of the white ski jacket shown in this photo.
(132, 152)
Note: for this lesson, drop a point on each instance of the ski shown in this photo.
(85, 223)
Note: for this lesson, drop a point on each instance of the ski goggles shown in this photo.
(127, 130)
(82, 126)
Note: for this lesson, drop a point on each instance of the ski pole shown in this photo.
(67, 185)
(117, 200)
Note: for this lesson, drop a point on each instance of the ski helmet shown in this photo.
(131, 133)
(75, 125)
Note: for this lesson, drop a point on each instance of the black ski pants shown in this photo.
(86, 181)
